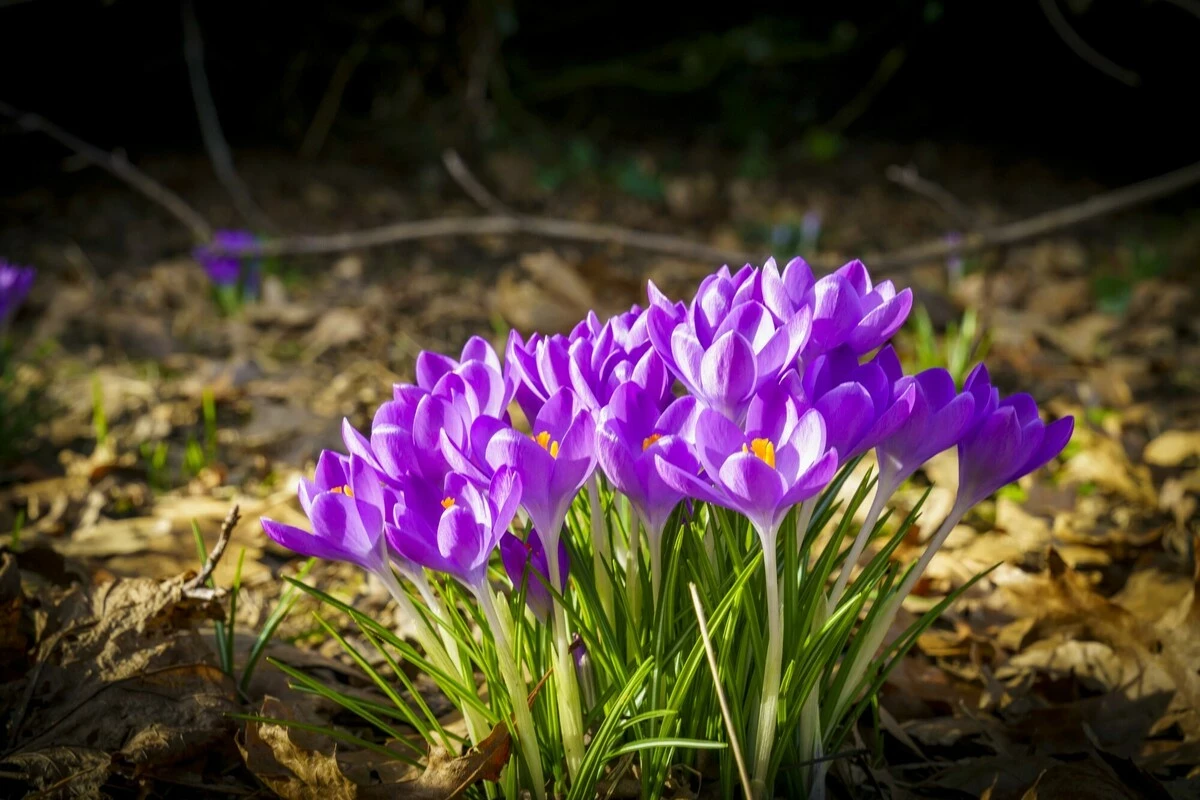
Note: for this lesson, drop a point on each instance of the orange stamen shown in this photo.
(448, 502)
(763, 449)
(649, 440)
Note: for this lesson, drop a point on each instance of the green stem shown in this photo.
(811, 746)
(860, 543)
(655, 563)
(477, 727)
(601, 549)
(882, 621)
(570, 715)
(517, 690)
(772, 671)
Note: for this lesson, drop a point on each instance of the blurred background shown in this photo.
(146, 391)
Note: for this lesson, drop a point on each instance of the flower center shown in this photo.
(649, 440)
(448, 502)
(763, 449)
(549, 446)
(346, 490)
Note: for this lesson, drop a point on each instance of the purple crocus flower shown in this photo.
(522, 556)
(781, 460)
(861, 403)
(618, 353)
(226, 270)
(479, 368)
(728, 344)
(428, 429)
(847, 309)
(939, 417)
(1006, 440)
(630, 436)
(15, 283)
(345, 504)
(538, 367)
(457, 532)
(553, 462)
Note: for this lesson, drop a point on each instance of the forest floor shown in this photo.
(1073, 665)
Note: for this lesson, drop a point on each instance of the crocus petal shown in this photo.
(688, 484)
(879, 324)
(304, 543)
(753, 486)
(728, 374)
(461, 543)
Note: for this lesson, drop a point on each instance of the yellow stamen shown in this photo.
(346, 490)
(763, 449)
(448, 502)
(649, 440)
(543, 439)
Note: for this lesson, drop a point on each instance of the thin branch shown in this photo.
(734, 744)
(210, 125)
(1045, 223)
(467, 181)
(910, 179)
(117, 165)
(195, 586)
(1084, 50)
(496, 225)
(493, 225)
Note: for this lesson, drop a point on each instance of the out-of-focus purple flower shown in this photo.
(345, 504)
(15, 283)
(728, 345)
(810, 229)
(939, 417)
(1005, 440)
(955, 264)
(227, 270)
(521, 557)
(630, 435)
(457, 532)
(860, 403)
(553, 462)
(781, 460)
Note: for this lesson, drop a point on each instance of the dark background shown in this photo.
(992, 74)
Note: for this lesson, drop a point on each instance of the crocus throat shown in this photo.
(549, 446)
(448, 502)
(763, 449)
(346, 490)
(649, 440)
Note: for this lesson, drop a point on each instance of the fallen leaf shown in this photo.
(291, 764)
(1172, 448)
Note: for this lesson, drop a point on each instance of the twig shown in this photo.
(743, 775)
(210, 125)
(910, 179)
(1042, 224)
(1084, 50)
(196, 584)
(493, 225)
(467, 181)
(116, 164)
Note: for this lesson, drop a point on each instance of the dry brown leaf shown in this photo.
(118, 672)
(1172, 448)
(292, 763)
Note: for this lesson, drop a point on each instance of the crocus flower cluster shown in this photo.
(749, 397)
(15, 283)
